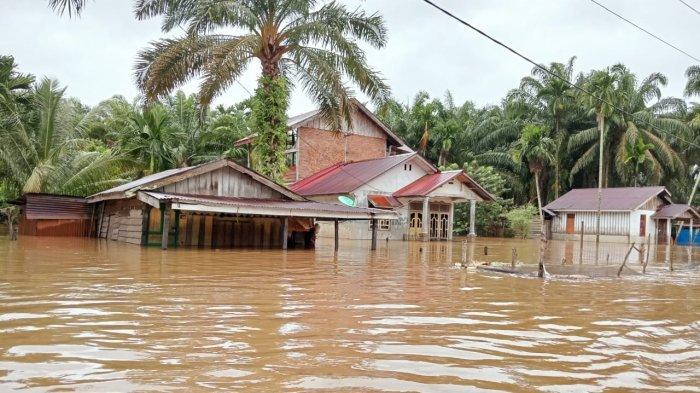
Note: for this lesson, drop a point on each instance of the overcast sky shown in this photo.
(94, 54)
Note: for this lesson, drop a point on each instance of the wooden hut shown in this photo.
(217, 204)
(683, 217)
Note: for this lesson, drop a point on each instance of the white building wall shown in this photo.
(455, 190)
(614, 226)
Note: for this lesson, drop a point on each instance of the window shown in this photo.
(292, 139)
(407, 167)
(383, 225)
(291, 159)
(410, 167)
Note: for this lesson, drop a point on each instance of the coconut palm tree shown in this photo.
(294, 41)
(536, 150)
(42, 152)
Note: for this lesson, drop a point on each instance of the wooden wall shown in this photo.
(223, 182)
(122, 221)
(361, 125)
(197, 230)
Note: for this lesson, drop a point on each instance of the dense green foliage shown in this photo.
(270, 121)
(653, 141)
(54, 144)
(520, 218)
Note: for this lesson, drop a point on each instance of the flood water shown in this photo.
(87, 315)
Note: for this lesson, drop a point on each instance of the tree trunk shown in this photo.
(539, 199)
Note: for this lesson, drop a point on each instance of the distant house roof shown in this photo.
(344, 178)
(170, 176)
(255, 206)
(675, 210)
(613, 199)
(428, 183)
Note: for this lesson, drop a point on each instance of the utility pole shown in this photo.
(601, 124)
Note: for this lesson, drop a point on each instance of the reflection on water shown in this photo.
(80, 314)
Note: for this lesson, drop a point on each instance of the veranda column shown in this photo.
(166, 228)
(472, 217)
(450, 221)
(692, 232)
(668, 231)
(425, 223)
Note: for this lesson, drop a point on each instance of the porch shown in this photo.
(439, 212)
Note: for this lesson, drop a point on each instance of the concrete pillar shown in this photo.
(425, 223)
(451, 221)
(668, 231)
(472, 217)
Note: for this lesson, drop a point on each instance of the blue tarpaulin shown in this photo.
(683, 238)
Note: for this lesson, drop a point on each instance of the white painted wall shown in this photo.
(456, 190)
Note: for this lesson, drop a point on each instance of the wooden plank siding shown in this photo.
(222, 182)
(361, 125)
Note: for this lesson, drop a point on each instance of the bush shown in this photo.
(519, 219)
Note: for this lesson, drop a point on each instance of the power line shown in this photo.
(690, 6)
(574, 86)
(647, 31)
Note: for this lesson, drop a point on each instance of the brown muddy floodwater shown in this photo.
(87, 315)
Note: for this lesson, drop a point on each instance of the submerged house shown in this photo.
(628, 214)
(217, 204)
(54, 215)
(374, 167)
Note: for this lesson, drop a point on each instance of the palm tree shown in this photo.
(693, 85)
(636, 154)
(536, 150)
(152, 139)
(294, 42)
(44, 152)
(638, 119)
(554, 97)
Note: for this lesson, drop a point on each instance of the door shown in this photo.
(642, 225)
(415, 225)
(570, 223)
(443, 225)
(434, 225)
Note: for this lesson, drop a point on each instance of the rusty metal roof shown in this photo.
(272, 207)
(383, 201)
(428, 183)
(55, 207)
(344, 178)
(675, 210)
(613, 199)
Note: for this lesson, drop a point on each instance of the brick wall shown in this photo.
(329, 149)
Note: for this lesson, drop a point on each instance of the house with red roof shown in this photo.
(369, 163)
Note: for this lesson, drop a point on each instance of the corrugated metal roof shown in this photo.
(426, 184)
(345, 178)
(674, 210)
(283, 207)
(145, 180)
(383, 201)
(55, 207)
(613, 199)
